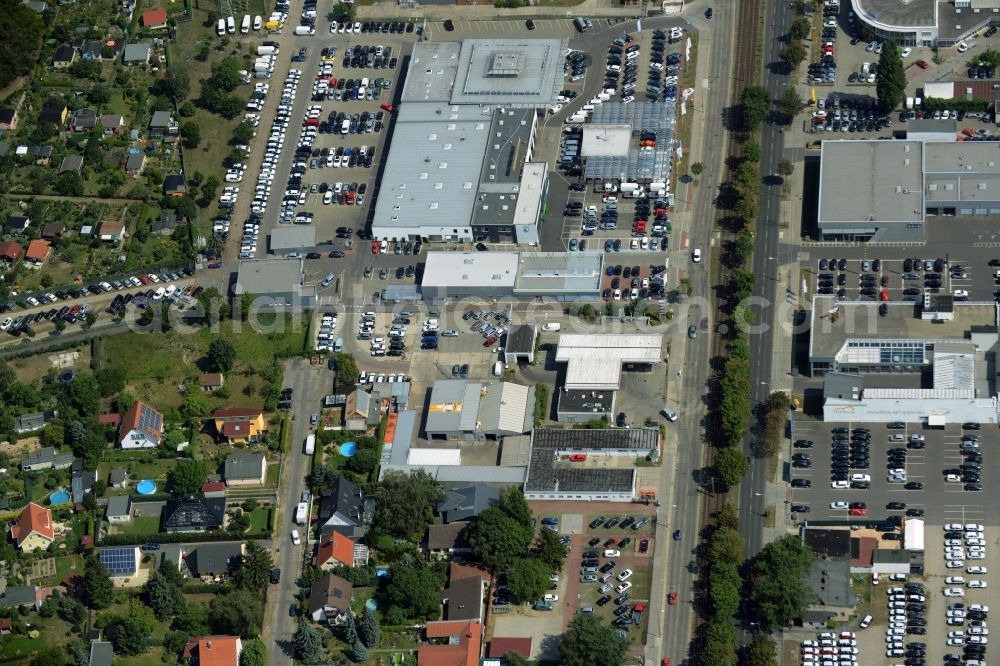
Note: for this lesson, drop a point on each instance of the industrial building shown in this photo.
(584, 406)
(939, 353)
(460, 410)
(559, 275)
(587, 465)
(275, 283)
(289, 238)
(611, 142)
(459, 168)
(883, 191)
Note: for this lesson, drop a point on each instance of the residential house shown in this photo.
(17, 224)
(53, 230)
(211, 381)
(245, 469)
(462, 599)
(33, 528)
(136, 54)
(112, 123)
(64, 56)
(240, 425)
(83, 120)
(22, 595)
(330, 599)
(335, 548)
(47, 458)
(54, 114)
(141, 428)
(110, 419)
(213, 489)
(118, 477)
(101, 653)
(120, 561)
(135, 163)
(38, 251)
(111, 231)
(460, 647)
(42, 154)
(213, 651)
(8, 119)
(92, 49)
(467, 502)
(82, 482)
(72, 163)
(175, 185)
(167, 222)
(10, 251)
(343, 508)
(214, 560)
(162, 124)
(448, 539)
(154, 19)
(194, 514)
(119, 509)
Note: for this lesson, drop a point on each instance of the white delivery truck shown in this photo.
(630, 190)
(304, 30)
(245, 25)
(230, 25)
(302, 513)
(310, 445)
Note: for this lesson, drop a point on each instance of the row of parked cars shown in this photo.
(394, 27)
(967, 625)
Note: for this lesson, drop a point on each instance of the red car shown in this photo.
(375, 247)
(385, 106)
(143, 279)
(672, 598)
(922, 64)
(610, 542)
(859, 512)
(884, 295)
(490, 341)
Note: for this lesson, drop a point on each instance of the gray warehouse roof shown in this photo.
(431, 74)
(292, 237)
(876, 181)
(547, 473)
(432, 172)
(506, 152)
(540, 273)
(509, 72)
(262, 277)
(962, 171)
(443, 269)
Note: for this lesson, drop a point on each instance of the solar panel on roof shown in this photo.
(118, 560)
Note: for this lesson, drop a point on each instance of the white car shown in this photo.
(839, 484)
(976, 584)
(979, 607)
(980, 640)
(979, 631)
(623, 587)
(976, 570)
(954, 642)
(977, 556)
(696, 257)
(961, 293)
(551, 597)
(838, 505)
(962, 47)
(954, 527)
(954, 592)
(953, 542)
(955, 580)
(906, 52)
(897, 576)
(974, 527)
(624, 576)
(296, 540)
(956, 634)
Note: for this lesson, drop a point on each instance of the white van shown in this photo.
(497, 369)
(301, 30)
(230, 25)
(551, 326)
(220, 29)
(245, 25)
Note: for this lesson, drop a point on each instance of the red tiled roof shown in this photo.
(11, 250)
(336, 546)
(462, 571)
(211, 379)
(6, 623)
(237, 412)
(154, 17)
(501, 646)
(213, 486)
(463, 653)
(235, 428)
(38, 250)
(33, 518)
(132, 421)
(864, 547)
(213, 650)
(109, 419)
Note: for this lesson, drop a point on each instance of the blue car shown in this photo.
(609, 246)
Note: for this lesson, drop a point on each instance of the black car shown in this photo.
(973, 487)
(593, 542)
(915, 513)
(596, 522)
(895, 425)
(603, 600)
(970, 426)
(276, 575)
(804, 444)
(800, 508)
(448, 25)
(913, 485)
(895, 506)
(801, 483)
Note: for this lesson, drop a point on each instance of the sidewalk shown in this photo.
(387, 10)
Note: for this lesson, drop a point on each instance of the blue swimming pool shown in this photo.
(348, 449)
(59, 497)
(146, 487)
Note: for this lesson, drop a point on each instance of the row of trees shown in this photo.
(779, 593)
(724, 553)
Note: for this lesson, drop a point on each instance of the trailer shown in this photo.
(302, 513)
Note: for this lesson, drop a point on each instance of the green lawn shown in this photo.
(258, 520)
(140, 525)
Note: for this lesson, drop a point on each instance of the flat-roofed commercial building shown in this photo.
(928, 23)
(883, 191)
(595, 362)
(275, 283)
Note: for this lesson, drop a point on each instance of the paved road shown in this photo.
(768, 256)
(309, 383)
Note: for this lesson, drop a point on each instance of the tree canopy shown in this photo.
(308, 643)
(255, 569)
(412, 593)
(187, 476)
(22, 29)
(95, 588)
(589, 642)
(756, 105)
(890, 80)
(497, 540)
(220, 356)
(528, 578)
(405, 503)
(163, 591)
(778, 591)
(238, 613)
